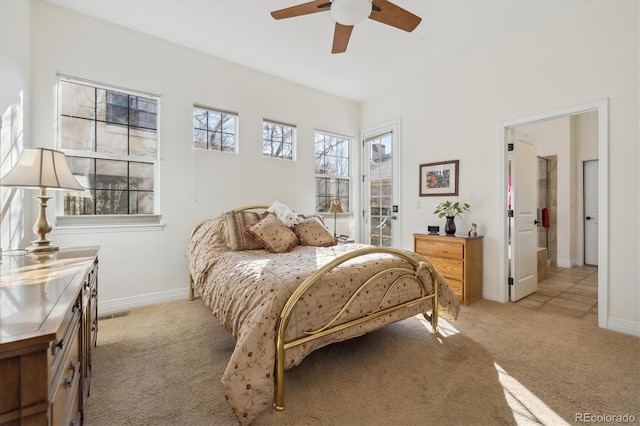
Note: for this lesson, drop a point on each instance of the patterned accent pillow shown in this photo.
(317, 216)
(272, 234)
(312, 232)
(235, 222)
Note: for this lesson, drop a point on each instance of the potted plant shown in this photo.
(450, 211)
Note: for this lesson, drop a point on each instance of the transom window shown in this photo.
(111, 140)
(332, 171)
(278, 140)
(214, 130)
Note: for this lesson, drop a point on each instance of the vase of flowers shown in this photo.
(450, 211)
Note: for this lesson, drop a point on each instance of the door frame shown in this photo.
(394, 127)
(602, 108)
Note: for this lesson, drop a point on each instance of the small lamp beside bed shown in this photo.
(336, 208)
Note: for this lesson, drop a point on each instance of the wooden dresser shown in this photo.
(458, 259)
(48, 326)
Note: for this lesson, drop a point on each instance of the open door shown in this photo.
(523, 278)
(380, 187)
(590, 221)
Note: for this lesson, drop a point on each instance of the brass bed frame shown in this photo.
(333, 325)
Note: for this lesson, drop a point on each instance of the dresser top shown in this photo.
(445, 237)
(37, 289)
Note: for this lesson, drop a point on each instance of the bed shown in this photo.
(282, 299)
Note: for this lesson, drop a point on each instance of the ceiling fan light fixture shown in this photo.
(350, 12)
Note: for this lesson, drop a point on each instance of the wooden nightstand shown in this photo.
(458, 259)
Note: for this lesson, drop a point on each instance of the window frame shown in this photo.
(294, 139)
(347, 176)
(236, 120)
(109, 222)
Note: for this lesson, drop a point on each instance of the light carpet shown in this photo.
(498, 364)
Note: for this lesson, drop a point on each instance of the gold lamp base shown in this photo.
(42, 227)
(42, 246)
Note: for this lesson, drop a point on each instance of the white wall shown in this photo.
(194, 184)
(15, 101)
(589, 54)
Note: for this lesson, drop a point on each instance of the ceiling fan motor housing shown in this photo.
(350, 12)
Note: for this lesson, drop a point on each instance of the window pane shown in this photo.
(277, 141)
(143, 143)
(228, 142)
(220, 133)
(215, 141)
(81, 203)
(228, 124)
(112, 139)
(141, 202)
(200, 138)
(199, 118)
(113, 124)
(141, 176)
(214, 122)
(77, 100)
(332, 161)
(116, 107)
(77, 133)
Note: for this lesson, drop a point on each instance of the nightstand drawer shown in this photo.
(437, 249)
(456, 286)
(448, 268)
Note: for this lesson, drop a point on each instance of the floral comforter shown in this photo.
(246, 290)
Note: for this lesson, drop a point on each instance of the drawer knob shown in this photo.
(68, 381)
(57, 346)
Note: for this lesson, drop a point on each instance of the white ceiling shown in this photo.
(299, 49)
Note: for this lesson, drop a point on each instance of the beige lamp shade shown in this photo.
(41, 168)
(44, 169)
(336, 207)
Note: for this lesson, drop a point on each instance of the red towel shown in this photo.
(545, 218)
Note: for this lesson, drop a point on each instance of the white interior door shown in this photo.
(381, 218)
(590, 220)
(524, 202)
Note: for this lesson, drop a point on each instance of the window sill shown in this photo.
(96, 224)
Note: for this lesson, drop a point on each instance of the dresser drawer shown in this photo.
(64, 338)
(457, 287)
(438, 249)
(448, 268)
(66, 391)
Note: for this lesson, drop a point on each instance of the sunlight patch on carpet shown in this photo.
(526, 407)
(445, 329)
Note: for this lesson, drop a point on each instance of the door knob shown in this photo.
(588, 218)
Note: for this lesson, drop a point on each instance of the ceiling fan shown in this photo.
(347, 13)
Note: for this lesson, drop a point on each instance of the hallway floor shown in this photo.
(567, 291)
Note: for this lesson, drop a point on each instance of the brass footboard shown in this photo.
(333, 326)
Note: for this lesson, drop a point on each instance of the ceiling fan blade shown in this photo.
(302, 9)
(388, 13)
(341, 36)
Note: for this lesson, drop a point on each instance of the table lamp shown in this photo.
(336, 208)
(45, 169)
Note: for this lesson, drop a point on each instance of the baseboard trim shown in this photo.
(141, 300)
(564, 263)
(624, 326)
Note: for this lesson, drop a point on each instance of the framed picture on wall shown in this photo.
(438, 179)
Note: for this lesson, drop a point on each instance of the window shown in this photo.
(278, 140)
(332, 171)
(214, 130)
(111, 141)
